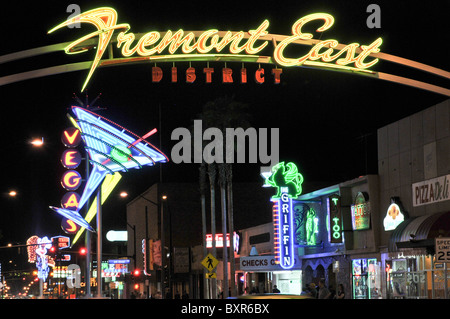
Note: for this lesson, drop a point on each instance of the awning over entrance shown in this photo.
(420, 232)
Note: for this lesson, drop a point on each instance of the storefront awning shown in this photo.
(420, 232)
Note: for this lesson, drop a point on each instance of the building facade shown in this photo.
(257, 270)
(414, 168)
(335, 238)
(394, 227)
(175, 223)
(375, 235)
(163, 223)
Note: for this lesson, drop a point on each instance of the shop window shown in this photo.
(306, 219)
(417, 277)
(366, 279)
(288, 282)
(407, 278)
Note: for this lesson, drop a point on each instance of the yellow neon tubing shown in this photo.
(107, 187)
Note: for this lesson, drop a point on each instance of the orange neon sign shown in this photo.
(71, 158)
(153, 44)
(71, 180)
(70, 200)
(69, 226)
(71, 137)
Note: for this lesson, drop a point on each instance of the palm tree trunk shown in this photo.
(229, 173)
(212, 187)
(202, 181)
(223, 201)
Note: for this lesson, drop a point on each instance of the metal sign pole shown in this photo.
(99, 243)
(88, 241)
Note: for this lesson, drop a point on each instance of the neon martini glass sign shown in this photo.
(111, 148)
(287, 180)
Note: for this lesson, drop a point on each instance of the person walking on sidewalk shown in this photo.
(324, 293)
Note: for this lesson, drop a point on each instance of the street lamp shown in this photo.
(38, 142)
(124, 194)
(163, 274)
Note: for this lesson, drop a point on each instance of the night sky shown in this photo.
(327, 120)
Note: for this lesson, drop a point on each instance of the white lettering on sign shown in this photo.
(261, 263)
(286, 247)
(442, 248)
(431, 191)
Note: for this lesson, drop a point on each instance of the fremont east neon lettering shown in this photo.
(227, 75)
(248, 43)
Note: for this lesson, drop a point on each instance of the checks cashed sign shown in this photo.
(263, 263)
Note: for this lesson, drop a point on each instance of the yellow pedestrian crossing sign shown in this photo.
(210, 275)
(210, 262)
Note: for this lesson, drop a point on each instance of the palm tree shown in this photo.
(222, 113)
(229, 177)
(203, 183)
(212, 189)
(210, 170)
(222, 184)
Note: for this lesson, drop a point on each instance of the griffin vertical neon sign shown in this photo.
(286, 179)
(285, 230)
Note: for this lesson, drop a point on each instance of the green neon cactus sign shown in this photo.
(286, 177)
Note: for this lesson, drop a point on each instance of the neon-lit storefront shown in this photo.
(258, 271)
(114, 272)
(416, 268)
(336, 237)
(366, 283)
(416, 213)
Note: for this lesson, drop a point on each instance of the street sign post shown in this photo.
(210, 262)
(442, 249)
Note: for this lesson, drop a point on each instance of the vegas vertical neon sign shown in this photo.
(286, 179)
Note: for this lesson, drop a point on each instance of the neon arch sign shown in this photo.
(201, 45)
(212, 45)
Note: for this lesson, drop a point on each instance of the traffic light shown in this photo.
(136, 273)
(52, 250)
(83, 251)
